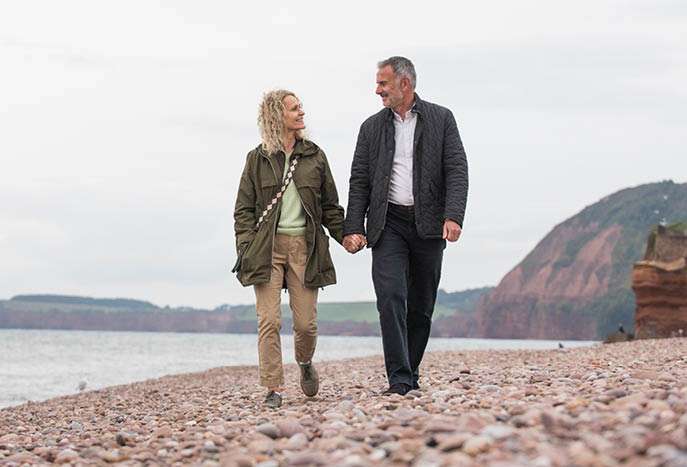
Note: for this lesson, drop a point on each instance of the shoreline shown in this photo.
(593, 405)
(283, 332)
(254, 368)
(41, 365)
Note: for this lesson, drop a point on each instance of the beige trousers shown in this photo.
(288, 262)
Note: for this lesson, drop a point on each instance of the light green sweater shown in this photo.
(292, 216)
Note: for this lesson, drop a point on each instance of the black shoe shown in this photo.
(397, 388)
(273, 400)
(416, 385)
(310, 382)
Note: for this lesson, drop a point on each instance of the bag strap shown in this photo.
(285, 183)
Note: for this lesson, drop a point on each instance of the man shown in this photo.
(409, 177)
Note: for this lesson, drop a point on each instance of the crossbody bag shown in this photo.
(285, 184)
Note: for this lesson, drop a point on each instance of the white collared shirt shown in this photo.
(401, 182)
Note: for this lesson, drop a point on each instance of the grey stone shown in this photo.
(268, 429)
(477, 444)
(66, 456)
(297, 442)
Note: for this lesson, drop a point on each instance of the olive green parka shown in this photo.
(260, 182)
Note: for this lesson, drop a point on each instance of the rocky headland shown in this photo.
(575, 284)
(604, 405)
(660, 284)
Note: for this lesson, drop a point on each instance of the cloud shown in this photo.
(123, 142)
(560, 76)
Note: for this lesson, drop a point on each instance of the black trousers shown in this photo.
(405, 271)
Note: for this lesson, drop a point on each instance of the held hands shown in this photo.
(353, 243)
(451, 230)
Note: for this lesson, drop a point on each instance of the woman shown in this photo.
(279, 237)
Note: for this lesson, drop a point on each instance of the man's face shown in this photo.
(389, 87)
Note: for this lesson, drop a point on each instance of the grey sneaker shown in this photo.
(310, 382)
(273, 400)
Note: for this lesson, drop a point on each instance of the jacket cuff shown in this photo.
(458, 220)
(354, 231)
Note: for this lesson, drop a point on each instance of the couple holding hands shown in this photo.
(407, 196)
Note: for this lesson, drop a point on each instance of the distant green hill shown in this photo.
(125, 303)
(71, 312)
(462, 301)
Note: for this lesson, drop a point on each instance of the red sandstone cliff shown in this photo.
(518, 306)
(660, 285)
(575, 284)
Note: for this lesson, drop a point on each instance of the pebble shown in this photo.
(288, 427)
(601, 405)
(123, 438)
(306, 458)
(477, 444)
(66, 456)
(112, 456)
(297, 442)
(377, 455)
(454, 441)
(76, 426)
(210, 446)
(439, 426)
(498, 432)
(268, 429)
(263, 446)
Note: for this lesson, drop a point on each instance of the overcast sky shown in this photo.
(124, 126)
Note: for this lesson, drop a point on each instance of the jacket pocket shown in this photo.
(268, 188)
(324, 258)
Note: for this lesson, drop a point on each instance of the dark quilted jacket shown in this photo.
(440, 173)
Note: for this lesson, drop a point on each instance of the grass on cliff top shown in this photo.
(51, 299)
(636, 210)
(679, 227)
(335, 312)
(30, 306)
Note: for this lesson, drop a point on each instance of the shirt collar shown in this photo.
(409, 114)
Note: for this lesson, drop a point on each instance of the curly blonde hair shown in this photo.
(271, 120)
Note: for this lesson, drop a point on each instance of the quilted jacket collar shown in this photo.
(418, 107)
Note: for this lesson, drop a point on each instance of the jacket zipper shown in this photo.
(312, 221)
(276, 217)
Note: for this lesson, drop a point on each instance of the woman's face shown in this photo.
(293, 114)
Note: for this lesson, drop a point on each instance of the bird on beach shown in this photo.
(82, 385)
(560, 345)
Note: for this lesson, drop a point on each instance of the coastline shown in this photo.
(599, 405)
(40, 365)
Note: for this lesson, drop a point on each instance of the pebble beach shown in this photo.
(604, 405)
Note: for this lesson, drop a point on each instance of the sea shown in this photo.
(40, 364)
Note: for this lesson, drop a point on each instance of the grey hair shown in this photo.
(402, 67)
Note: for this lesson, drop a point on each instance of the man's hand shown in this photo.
(353, 243)
(451, 230)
